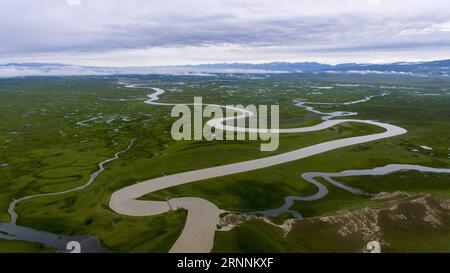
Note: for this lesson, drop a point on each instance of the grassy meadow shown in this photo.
(55, 131)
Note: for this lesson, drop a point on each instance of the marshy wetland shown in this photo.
(55, 131)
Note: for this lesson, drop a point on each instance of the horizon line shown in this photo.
(227, 63)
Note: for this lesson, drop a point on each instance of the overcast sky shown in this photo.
(169, 32)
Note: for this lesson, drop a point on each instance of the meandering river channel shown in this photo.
(203, 215)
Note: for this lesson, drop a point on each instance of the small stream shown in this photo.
(89, 244)
(322, 190)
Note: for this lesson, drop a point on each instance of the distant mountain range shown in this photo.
(433, 68)
(417, 68)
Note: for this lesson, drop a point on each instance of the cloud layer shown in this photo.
(143, 32)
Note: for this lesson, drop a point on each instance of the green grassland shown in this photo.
(47, 151)
(408, 181)
(7, 246)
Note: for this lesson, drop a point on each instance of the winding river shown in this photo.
(322, 191)
(203, 216)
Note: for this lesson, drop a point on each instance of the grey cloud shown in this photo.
(31, 27)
